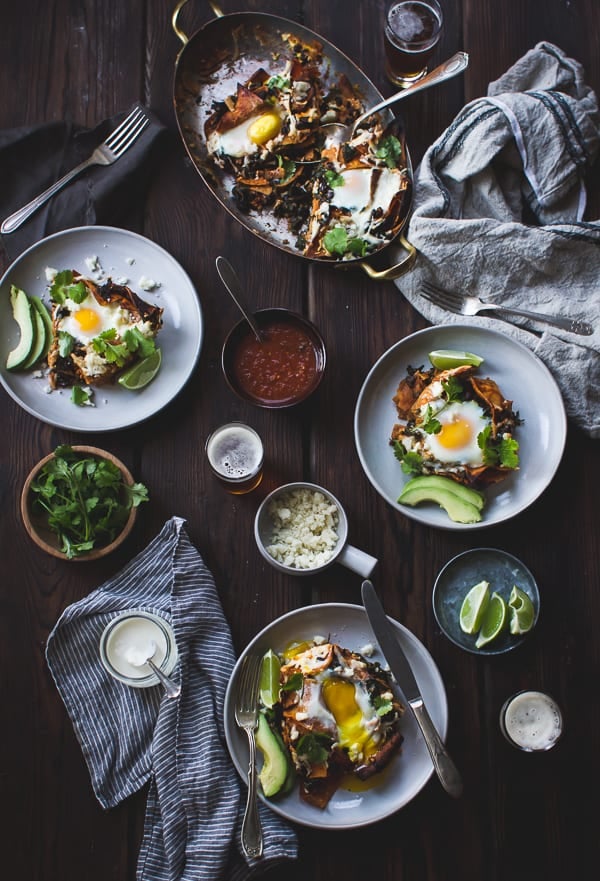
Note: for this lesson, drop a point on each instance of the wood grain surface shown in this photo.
(521, 817)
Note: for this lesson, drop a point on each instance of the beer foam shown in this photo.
(533, 721)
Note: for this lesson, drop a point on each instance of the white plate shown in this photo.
(407, 773)
(180, 337)
(521, 377)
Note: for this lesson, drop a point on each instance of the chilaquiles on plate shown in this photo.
(455, 425)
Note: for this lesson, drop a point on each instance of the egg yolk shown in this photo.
(87, 319)
(340, 699)
(455, 434)
(264, 128)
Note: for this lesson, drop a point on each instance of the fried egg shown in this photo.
(246, 137)
(364, 191)
(90, 318)
(456, 442)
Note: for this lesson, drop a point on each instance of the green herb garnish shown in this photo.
(278, 82)
(339, 243)
(333, 178)
(502, 451)
(412, 463)
(383, 706)
(430, 424)
(390, 150)
(84, 499)
(453, 389)
(294, 683)
(83, 397)
(63, 287)
(66, 343)
(288, 166)
(313, 748)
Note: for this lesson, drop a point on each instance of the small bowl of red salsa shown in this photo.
(282, 370)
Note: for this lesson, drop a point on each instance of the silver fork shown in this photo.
(246, 717)
(465, 305)
(106, 153)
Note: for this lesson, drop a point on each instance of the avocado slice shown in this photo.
(22, 312)
(435, 481)
(41, 307)
(458, 509)
(39, 340)
(277, 769)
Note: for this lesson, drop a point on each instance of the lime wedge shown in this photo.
(473, 607)
(269, 679)
(494, 621)
(522, 612)
(142, 372)
(446, 359)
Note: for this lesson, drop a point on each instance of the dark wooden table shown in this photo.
(520, 817)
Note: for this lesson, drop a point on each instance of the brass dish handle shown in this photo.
(183, 36)
(399, 269)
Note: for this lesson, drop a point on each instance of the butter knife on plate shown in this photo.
(392, 650)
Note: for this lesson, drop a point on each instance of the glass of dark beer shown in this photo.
(412, 30)
(235, 455)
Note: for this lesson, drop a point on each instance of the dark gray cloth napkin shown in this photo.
(498, 212)
(131, 736)
(33, 158)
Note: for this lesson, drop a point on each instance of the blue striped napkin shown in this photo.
(131, 736)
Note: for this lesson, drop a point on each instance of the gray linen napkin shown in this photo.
(129, 736)
(498, 207)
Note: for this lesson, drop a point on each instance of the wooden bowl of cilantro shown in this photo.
(80, 503)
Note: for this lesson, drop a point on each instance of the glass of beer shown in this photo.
(412, 30)
(531, 721)
(235, 455)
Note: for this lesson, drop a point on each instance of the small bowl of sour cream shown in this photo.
(130, 638)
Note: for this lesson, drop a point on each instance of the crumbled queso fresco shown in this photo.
(305, 529)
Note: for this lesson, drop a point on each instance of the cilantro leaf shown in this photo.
(338, 243)
(113, 352)
(333, 178)
(288, 166)
(390, 150)
(453, 389)
(63, 287)
(383, 706)
(83, 499)
(294, 683)
(278, 82)
(66, 342)
(412, 463)
(313, 748)
(499, 451)
(135, 341)
(83, 397)
(430, 424)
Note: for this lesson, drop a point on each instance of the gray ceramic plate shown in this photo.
(522, 378)
(408, 772)
(460, 574)
(179, 339)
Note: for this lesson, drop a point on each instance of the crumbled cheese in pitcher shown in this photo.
(305, 529)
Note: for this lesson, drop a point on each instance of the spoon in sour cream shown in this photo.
(140, 656)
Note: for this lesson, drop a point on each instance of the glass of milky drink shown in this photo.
(412, 30)
(531, 721)
(235, 455)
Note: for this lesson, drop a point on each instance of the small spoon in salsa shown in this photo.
(232, 283)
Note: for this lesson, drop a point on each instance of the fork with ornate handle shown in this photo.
(246, 717)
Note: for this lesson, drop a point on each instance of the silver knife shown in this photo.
(394, 654)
